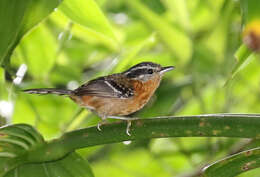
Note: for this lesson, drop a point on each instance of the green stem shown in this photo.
(214, 125)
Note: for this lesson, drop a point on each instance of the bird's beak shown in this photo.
(166, 69)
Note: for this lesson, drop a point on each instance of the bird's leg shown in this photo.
(103, 121)
(129, 123)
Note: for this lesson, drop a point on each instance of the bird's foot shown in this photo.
(102, 122)
(99, 126)
(129, 123)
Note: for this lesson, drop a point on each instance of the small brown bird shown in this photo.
(117, 94)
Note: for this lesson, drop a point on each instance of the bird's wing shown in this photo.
(104, 87)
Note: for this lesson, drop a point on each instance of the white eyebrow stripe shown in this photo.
(140, 67)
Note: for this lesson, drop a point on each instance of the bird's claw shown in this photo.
(99, 126)
(102, 122)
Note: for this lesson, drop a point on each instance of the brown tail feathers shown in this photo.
(49, 91)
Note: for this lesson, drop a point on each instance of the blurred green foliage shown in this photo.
(80, 40)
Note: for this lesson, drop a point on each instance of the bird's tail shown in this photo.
(49, 91)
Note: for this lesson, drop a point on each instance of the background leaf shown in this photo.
(243, 56)
(169, 34)
(17, 18)
(39, 51)
(88, 14)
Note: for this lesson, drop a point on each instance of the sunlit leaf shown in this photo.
(136, 160)
(243, 56)
(40, 112)
(38, 50)
(169, 34)
(88, 14)
(216, 40)
(88, 35)
(2, 75)
(17, 18)
(179, 10)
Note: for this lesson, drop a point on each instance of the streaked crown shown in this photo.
(146, 70)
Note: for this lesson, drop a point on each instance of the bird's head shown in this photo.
(146, 70)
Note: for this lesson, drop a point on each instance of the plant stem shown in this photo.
(212, 125)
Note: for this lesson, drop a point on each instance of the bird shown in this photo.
(115, 95)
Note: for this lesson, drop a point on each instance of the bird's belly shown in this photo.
(123, 107)
(113, 106)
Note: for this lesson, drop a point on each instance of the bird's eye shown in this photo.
(150, 71)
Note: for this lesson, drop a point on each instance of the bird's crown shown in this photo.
(145, 70)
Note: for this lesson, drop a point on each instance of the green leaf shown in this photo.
(169, 34)
(17, 18)
(180, 11)
(235, 164)
(2, 89)
(73, 165)
(11, 15)
(88, 14)
(88, 35)
(39, 51)
(216, 41)
(250, 10)
(137, 160)
(17, 141)
(2, 75)
(243, 56)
